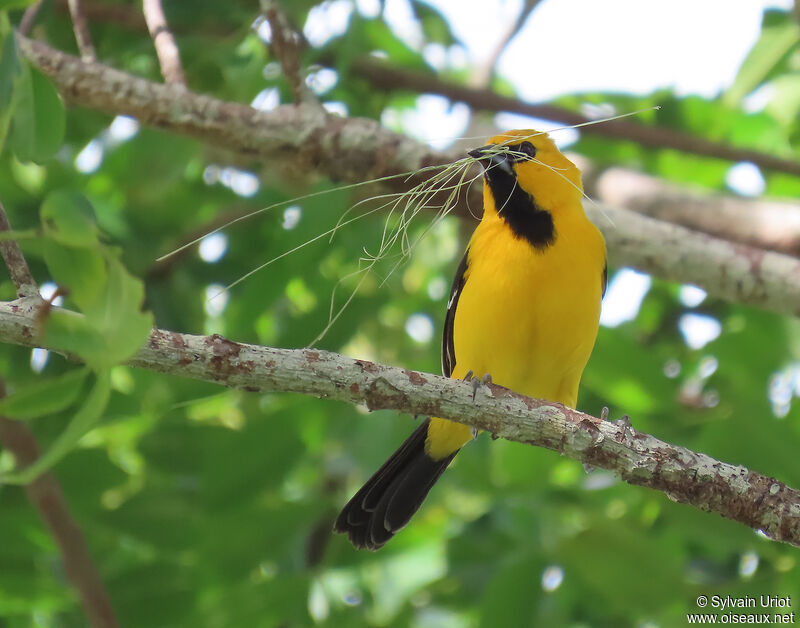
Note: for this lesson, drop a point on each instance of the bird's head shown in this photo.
(529, 160)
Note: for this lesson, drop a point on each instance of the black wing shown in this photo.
(448, 350)
(605, 279)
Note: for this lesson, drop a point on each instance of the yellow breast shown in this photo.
(527, 317)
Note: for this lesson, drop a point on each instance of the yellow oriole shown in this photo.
(524, 308)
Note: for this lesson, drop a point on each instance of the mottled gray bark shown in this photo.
(761, 502)
(305, 138)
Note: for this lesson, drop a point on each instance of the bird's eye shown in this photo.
(528, 149)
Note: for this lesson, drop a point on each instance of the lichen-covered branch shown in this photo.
(727, 270)
(15, 262)
(286, 45)
(758, 501)
(169, 57)
(81, 28)
(29, 17)
(305, 138)
(298, 138)
(762, 223)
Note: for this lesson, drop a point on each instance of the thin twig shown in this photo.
(285, 46)
(131, 18)
(384, 76)
(81, 28)
(482, 76)
(169, 57)
(46, 496)
(29, 17)
(15, 261)
(758, 501)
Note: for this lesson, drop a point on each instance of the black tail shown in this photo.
(393, 494)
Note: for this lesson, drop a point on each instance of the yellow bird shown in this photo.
(524, 308)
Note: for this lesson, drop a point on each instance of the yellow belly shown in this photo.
(528, 318)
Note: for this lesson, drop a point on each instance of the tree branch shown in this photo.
(306, 138)
(295, 137)
(760, 223)
(81, 28)
(482, 76)
(15, 262)
(730, 271)
(285, 46)
(46, 496)
(29, 17)
(384, 76)
(761, 502)
(167, 50)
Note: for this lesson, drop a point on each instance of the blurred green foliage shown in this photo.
(209, 507)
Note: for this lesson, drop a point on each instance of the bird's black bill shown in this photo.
(481, 153)
(489, 157)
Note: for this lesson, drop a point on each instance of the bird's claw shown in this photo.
(477, 382)
(627, 428)
(624, 422)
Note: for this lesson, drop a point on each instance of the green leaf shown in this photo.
(80, 271)
(779, 35)
(88, 414)
(69, 218)
(110, 298)
(434, 25)
(44, 397)
(99, 346)
(114, 325)
(73, 333)
(120, 317)
(15, 4)
(39, 120)
(9, 75)
(785, 102)
(375, 34)
(9, 65)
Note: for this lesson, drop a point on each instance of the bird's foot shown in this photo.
(624, 422)
(477, 382)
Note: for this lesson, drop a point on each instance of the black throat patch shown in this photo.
(519, 209)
